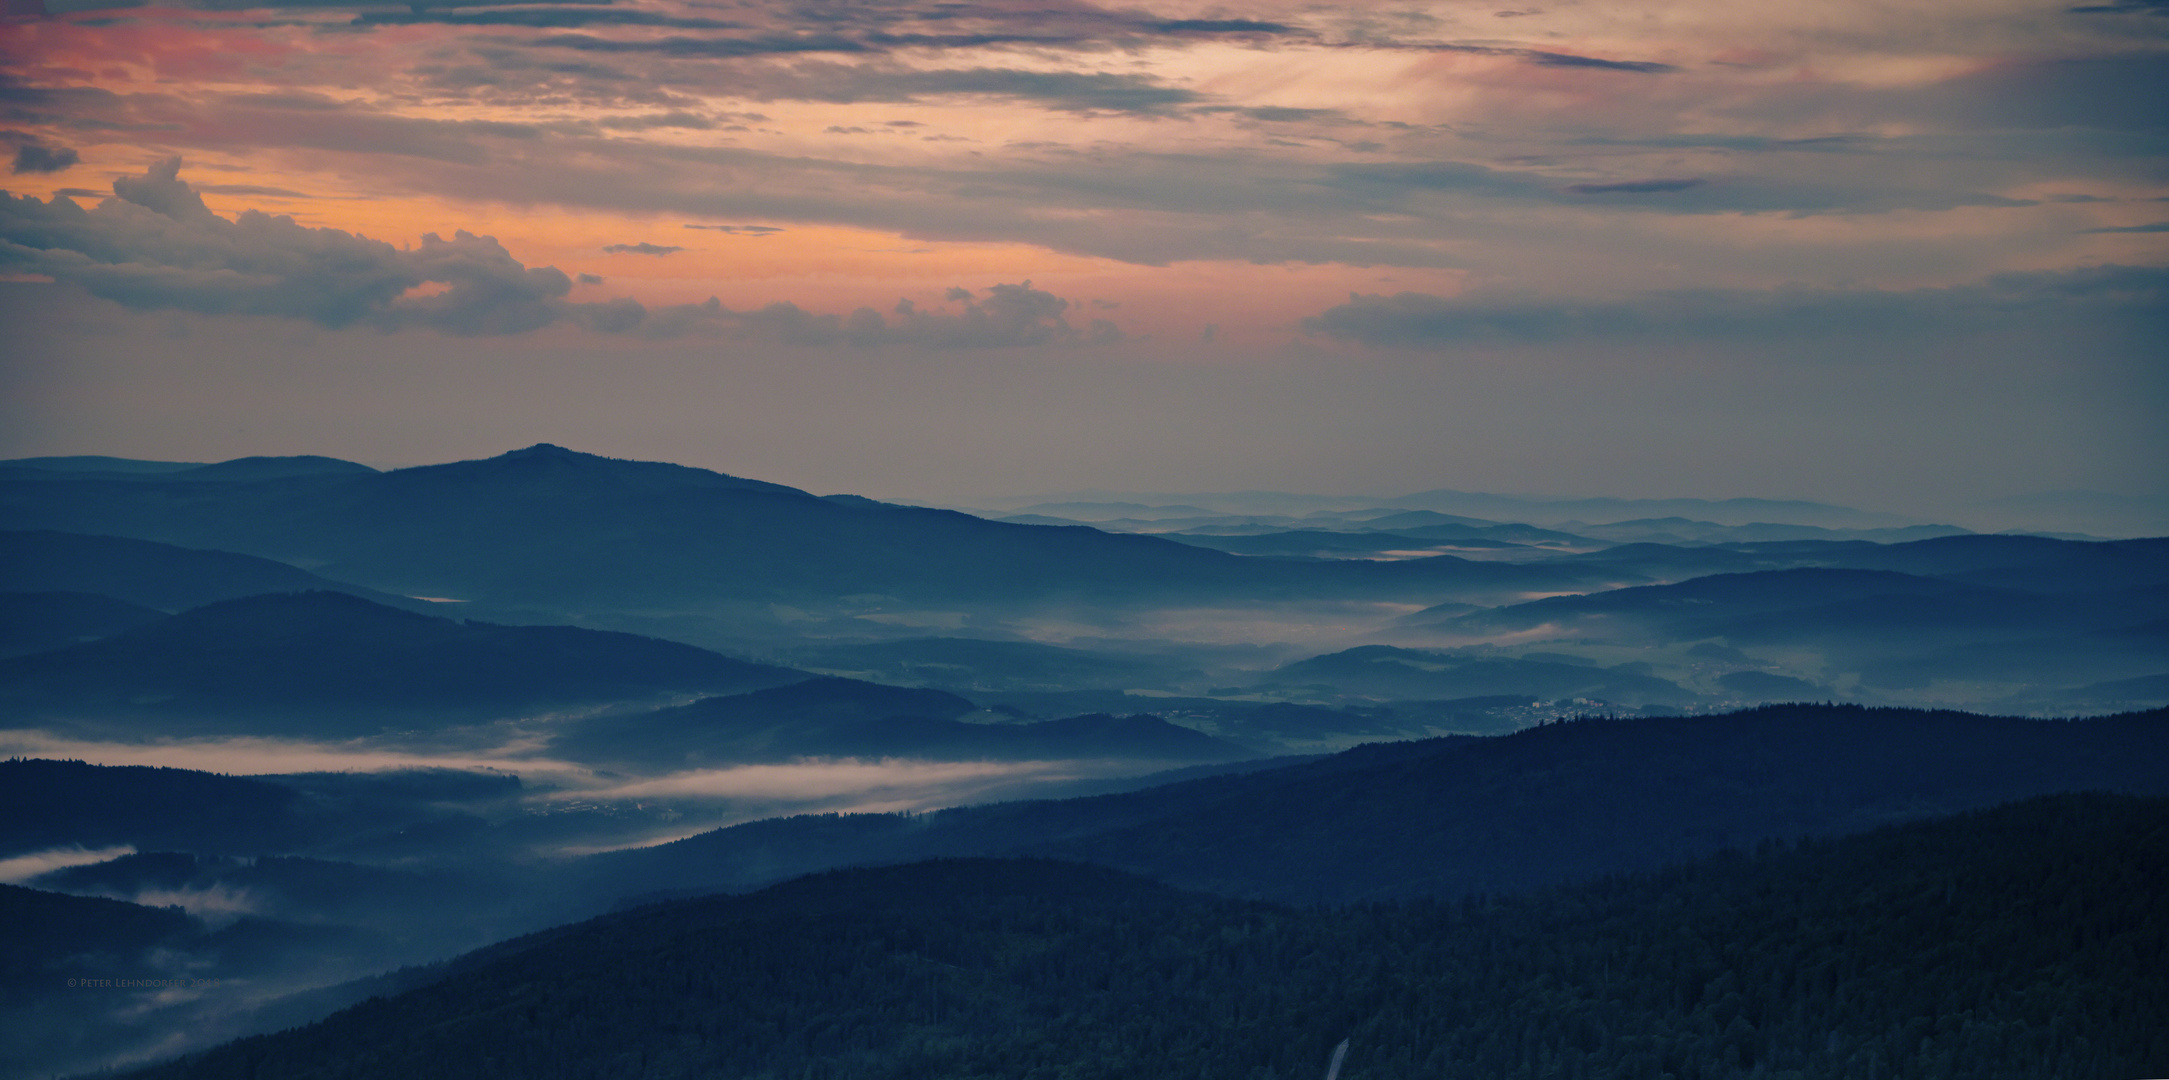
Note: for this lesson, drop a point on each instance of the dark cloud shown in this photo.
(248, 189)
(1538, 56)
(2124, 7)
(1552, 59)
(1277, 114)
(72, 106)
(310, 122)
(1637, 187)
(1138, 207)
(1746, 143)
(1010, 315)
(588, 279)
(1389, 184)
(684, 120)
(1218, 26)
(707, 48)
(1389, 181)
(642, 248)
(161, 190)
(35, 155)
(2153, 227)
(2128, 93)
(2138, 293)
(740, 230)
(682, 63)
(57, 6)
(1067, 90)
(542, 18)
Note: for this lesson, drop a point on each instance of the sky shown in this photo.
(1907, 256)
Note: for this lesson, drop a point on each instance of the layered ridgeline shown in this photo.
(547, 535)
(2020, 942)
(1440, 817)
(550, 528)
(329, 664)
(1456, 816)
(148, 574)
(835, 717)
(332, 665)
(382, 869)
(555, 528)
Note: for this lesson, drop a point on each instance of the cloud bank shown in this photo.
(2134, 295)
(155, 245)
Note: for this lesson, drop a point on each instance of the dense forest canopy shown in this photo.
(2024, 941)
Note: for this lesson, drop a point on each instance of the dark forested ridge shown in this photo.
(288, 661)
(36, 621)
(153, 575)
(554, 528)
(2024, 941)
(1449, 817)
(49, 803)
(846, 717)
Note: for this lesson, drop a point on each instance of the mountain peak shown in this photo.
(543, 449)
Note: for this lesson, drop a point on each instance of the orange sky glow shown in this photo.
(1180, 182)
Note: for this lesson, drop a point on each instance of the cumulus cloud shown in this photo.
(1010, 315)
(156, 245)
(2138, 293)
(35, 155)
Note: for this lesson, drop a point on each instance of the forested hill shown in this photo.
(2023, 941)
(560, 529)
(1448, 817)
(326, 663)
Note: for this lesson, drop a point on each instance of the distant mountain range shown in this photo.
(1476, 507)
(155, 575)
(1388, 673)
(846, 718)
(549, 536)
(330, 664)
(551, 528)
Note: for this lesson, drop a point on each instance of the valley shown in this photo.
(292, 736)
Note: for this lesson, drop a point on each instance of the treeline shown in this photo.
(1550, 805)
(2025, 941)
